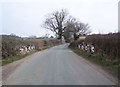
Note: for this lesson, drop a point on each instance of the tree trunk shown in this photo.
(60, 33)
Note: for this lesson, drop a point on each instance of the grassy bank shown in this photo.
(109, 65)
(18, 57)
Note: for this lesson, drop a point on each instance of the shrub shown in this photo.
(106, 45)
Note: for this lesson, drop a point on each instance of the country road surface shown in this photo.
(57, 66)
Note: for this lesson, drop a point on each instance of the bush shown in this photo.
(106, 45)
(73, 44)
(11, 44)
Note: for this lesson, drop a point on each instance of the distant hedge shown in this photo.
(41, 43)
(107, 45)
(11, 44)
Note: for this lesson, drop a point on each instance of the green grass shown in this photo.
(109, 65)
(15, 58)
(18, 57)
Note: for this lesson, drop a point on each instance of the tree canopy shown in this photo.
(61, 23)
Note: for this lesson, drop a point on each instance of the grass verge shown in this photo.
(15, 58)
(18, 57)
(111, 66)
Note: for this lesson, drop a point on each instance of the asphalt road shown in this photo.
(57, 66)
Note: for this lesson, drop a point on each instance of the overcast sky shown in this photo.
(24, 17)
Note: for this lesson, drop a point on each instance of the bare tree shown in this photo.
(55, 22)
(61, 23)
(82, 28)
(77, 27)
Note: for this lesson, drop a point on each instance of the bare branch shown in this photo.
(55, 22)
